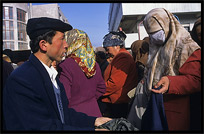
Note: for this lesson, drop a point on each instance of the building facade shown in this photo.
(15, 17)
(14, 23)
(129, 17)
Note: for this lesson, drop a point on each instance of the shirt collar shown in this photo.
(51, 71)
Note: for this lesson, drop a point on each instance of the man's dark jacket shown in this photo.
(29, 102)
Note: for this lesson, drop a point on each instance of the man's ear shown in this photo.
(43, 45)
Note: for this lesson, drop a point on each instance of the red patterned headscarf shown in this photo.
(81, 50)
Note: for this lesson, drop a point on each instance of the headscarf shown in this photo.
(140, 48)
(114, 39)
(178, 46)
(81, 50)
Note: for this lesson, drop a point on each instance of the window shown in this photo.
(8, 45)
(21, 15)
(8, 30)
(22, 46)
(21, 31)
(7, 13)
(21, 26)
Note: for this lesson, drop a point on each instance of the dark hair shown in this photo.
(194, 34)
(122, 46)
(101, 54)
(34, 44)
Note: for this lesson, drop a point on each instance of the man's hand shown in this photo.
(101, 120)
(164, 82)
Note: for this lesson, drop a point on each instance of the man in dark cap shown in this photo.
(33, 98)
(120, 75)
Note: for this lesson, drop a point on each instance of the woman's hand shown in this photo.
(164, 83)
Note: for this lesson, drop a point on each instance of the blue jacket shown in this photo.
(29, 102)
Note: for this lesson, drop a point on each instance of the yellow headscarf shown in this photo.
(81, 50)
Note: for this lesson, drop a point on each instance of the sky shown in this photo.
(92, 18)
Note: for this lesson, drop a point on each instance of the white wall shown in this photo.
(130, 39)
(144, 8)
(47, 10)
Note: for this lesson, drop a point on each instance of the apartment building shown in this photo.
(15, 17)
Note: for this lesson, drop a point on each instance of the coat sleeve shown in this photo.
(189, 79)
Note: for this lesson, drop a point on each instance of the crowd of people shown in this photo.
(66, 85)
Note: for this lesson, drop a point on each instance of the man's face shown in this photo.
(56, 50)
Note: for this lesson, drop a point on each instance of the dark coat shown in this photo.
(29, 102)
(7, 69)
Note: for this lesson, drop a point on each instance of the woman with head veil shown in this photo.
(173, 66)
